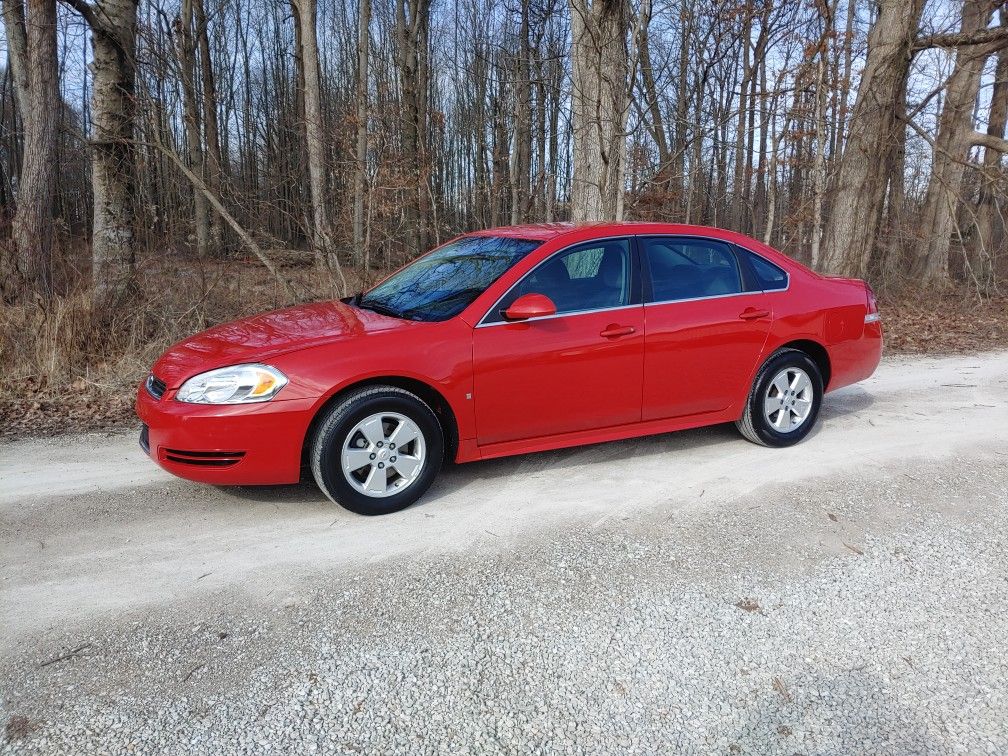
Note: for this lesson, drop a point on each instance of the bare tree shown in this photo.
(212, 156)
(113, 161)
(951, 148)
(859, 187)
(31, 35)
(991, 204)
(600, 72)
(305, 12)
(360, 166)
(191, 119)
(412, 30)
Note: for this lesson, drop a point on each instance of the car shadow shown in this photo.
(845, 402)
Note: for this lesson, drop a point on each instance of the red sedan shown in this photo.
(509, 341)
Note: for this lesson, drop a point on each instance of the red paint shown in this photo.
(512, 387)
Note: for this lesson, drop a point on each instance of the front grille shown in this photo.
(204, 458)
(155, 387)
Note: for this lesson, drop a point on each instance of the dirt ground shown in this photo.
(688, 592)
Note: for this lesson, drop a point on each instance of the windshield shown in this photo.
(441, 284)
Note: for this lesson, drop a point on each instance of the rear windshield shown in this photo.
(441, 284)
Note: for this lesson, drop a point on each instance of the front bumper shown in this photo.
(251, 444)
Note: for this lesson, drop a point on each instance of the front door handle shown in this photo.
(613, 330)
(751, 313)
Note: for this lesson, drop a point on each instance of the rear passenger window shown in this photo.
(768, 276)
(685, 268)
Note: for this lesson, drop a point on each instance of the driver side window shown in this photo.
(591, 276)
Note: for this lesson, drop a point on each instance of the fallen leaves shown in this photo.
(748, 604)
(944, 323)
(778, 685)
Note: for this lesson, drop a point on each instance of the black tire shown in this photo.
(754, 424)
(340, 420)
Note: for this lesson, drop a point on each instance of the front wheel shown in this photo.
(377, 451)
(784, 402)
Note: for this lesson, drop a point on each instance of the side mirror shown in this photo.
(529, 306)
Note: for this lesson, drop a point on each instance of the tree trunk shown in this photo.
(113, 162)
(321, 231)
(412, 21)
(990, 206)
(521, 150)
(598, 104)
(191, 122)
(858, 190)
(360, 165)
(742, 126)
(952, 145)
(819, 160)
(32, 44)
(213, 155)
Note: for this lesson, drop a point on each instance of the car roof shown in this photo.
(546, 231)
(538, 231)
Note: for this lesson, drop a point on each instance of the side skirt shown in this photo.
(470, 451)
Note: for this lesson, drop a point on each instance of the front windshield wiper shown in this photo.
(424, 309)
(381, 309)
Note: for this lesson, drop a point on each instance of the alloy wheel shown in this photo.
(383, 454)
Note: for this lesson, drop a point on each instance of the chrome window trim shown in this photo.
(628, 238)
(701, 299)
(557, 315)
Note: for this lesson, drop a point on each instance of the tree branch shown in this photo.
(990, 142)
(14, 25)
(995, 36)
(198, 184)
(86, 12)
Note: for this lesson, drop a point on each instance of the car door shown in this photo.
(576, 370)
(704, 331)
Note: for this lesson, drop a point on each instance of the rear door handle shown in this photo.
(613, 330)
(751, 313)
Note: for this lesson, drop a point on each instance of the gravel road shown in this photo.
(685, 593)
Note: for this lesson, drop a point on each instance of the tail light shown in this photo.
(872, 316)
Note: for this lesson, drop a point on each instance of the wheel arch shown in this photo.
(816, 352)
(428, 393)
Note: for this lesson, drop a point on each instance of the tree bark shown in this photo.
(598, 104)
(859, 187)
(983, 244)
(113, 156)
(952, 145)
(213, 155)
(32, 43)
(186, 46)
(321, 232)
(521, 149)
(360, 165)
(412, 23)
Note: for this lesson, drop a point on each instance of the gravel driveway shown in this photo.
(686, 593)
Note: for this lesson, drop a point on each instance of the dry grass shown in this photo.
(70, 372)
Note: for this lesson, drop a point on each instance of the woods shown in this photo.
(862, 138)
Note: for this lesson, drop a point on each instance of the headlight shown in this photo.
(239, 384)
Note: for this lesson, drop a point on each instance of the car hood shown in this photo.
(261, 337)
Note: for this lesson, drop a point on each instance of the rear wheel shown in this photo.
(784, 401)
(377, 451)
